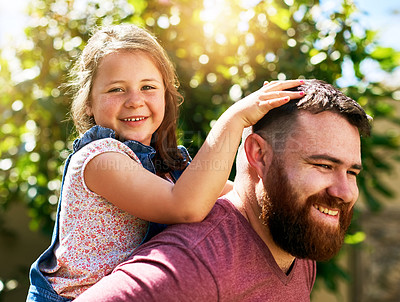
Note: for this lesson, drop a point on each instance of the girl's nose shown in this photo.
(134, 100)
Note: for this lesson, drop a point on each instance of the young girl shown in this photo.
(124, 170)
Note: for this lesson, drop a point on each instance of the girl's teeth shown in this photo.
(134, 119)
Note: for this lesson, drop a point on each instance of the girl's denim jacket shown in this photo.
(40, 289)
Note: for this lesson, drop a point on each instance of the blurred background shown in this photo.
(223, 50)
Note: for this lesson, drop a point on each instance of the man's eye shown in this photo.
(323, 166)
(353, 173)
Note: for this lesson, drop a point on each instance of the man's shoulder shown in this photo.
(225, 232)
(192, 235)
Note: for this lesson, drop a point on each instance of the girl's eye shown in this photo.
(116, 90)
(147, 87)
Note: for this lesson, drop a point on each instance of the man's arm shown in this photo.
(167, 273)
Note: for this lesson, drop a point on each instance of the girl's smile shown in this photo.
(128, 96)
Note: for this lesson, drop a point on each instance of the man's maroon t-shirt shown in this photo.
(219, 259)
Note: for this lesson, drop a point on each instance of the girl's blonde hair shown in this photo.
(128, 37)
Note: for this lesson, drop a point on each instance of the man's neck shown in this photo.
(251, 212)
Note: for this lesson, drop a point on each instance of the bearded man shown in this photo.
(291, 205)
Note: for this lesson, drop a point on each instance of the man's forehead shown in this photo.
(325, 133)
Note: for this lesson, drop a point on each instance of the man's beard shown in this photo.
(290, 223)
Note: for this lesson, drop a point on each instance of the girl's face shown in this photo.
(128, 96)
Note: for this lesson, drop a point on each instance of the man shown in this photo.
(291, 205)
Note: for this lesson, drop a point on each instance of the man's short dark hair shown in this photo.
(319, 97)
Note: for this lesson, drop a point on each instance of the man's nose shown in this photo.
(343, 188)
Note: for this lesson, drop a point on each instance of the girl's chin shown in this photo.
(134, 138)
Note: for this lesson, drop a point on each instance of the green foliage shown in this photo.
(335, 272)
(223, 50)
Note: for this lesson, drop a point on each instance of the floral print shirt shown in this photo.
(95, 236)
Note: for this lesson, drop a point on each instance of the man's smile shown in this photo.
(326, 210)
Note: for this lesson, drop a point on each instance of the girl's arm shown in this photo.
(143, 194)
(227, 188)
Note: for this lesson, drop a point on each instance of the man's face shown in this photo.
(311, 188)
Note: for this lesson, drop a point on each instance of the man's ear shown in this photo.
(258, 153)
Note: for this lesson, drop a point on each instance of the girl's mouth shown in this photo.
(133, 119)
